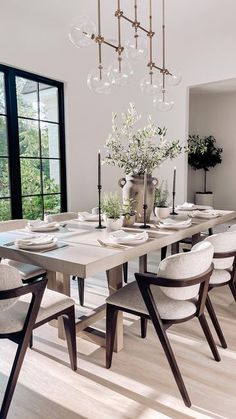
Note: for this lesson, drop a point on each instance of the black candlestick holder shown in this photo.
(99, 226)
(173, 205)
(145, 225)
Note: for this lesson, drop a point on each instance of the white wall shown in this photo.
(33, 36)
(214, 114)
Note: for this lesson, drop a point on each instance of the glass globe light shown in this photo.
(98, 81)
(136, 48)
(82, 32)
(120, 78)
(150, 84)
(174, 79)
(162, 102)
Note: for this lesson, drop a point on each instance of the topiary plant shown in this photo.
(203, 154)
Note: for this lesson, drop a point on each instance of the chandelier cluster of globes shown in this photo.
(102, 79)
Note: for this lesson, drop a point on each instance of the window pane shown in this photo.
(5, 209)
(49, 139)
(4, 178)
(29, 138)
(3, 136)
(48, 98)
(32, 207)
(27, 98)
(30, 176)
(2, 94)
(51, 176)
(52, 204)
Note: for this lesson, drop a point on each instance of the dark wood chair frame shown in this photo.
(23, 338)
(144, 281)
(232, 285)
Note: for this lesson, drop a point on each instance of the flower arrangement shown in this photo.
(161, 195)
(138, 150)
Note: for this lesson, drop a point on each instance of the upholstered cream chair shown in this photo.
(26, 270)
(24, 308)
(176, 294)
(224, 271)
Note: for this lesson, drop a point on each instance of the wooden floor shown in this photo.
(139, 384)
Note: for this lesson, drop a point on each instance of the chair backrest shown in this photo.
(62, 216)
(223, 242)
(9, 279)
(186, 265)
(12, 225)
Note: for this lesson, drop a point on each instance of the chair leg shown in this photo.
(125, 272)
(161, 333)
(143, 322)
(111, 318)
(232, 287)
(31, 341)
(69, 325)
(15, 371)
(209, 337)
(215, 322)
(81, 290)
(163, 252)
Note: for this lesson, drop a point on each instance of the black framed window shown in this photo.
(32, 145)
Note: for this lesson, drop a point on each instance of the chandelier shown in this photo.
(102, 79)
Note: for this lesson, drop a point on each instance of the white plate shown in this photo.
(122, 237)
(42, 246)
(44, 229)
(174, 226)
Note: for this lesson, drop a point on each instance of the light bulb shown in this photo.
(98, 81)
(120, 76)
(82, 32)
(136, 48)
(174, 79)
(162, 102)
(150, 84)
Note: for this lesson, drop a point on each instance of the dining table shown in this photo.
(79, 253)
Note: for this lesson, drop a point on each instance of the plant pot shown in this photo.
(112, 223)
(133, 188)
(128, 220)
(202, 198)
(162, 212)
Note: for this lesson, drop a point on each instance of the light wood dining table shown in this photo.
(84, 257)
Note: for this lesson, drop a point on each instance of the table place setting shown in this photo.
(124, 239)
(188, 206)
(37, 243)
(42, 226)
(87, 216)
(207, 214)
(175, 223)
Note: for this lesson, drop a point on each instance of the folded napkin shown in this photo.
(121, 236)
(35, 241)
(186, 205)
(87, 216)
(172, 222)
(38, 225)
(208, 214)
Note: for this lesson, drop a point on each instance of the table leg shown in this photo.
(143, 264)
(114, 280)
(196, 238)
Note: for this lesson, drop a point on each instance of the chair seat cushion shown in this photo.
(12, 320)
(129, 297)
(219, 276)
(26, 270)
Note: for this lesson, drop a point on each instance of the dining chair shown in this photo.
(27, 271)
(65, 216)
(224, 272)
(24, 307)
(175, 295)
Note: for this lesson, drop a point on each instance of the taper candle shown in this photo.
(99, 167)
(174, 180)
(145, 189)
